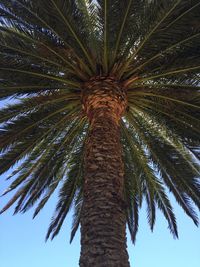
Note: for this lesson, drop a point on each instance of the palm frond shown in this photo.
(161, 139)
(77, 214)
(67, 194)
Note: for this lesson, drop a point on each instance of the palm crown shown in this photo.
(50, 49)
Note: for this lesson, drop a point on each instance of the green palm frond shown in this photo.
(67, 193)
(162, 139)
(171, 30)
(77, 214)
(133, 191)
(152, 187)
(63, 11)
(40, 170)
(145, 173)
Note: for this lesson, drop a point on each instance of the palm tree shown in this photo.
(106, 108)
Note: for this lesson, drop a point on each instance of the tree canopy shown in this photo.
(49, 49)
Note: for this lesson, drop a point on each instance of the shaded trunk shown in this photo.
(103, 221)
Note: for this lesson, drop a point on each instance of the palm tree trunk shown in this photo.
(103, 220)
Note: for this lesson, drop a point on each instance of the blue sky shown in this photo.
(22, 241)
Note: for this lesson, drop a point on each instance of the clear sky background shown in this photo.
(22, 241)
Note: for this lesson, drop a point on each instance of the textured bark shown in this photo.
(103, 221)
